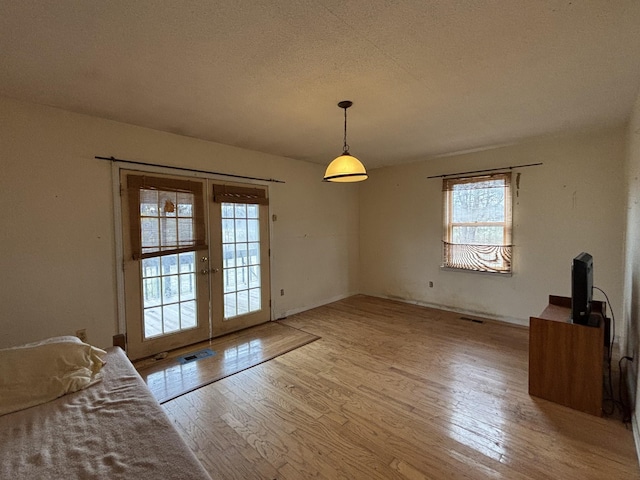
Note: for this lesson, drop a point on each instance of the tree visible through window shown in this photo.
(477, 223)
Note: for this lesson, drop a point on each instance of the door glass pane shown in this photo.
(169, 294)
(242, 302)
(242, 279)
(255, 299)
(241, 230)
(230, 305)
(241, 254)
(152, 322)
(185, 204)
(241, 258)
(228, 231)
(188, 315)
(150, 234)
(171, 318)
(254, 276)
(229, 280)
(187, 286)
(168, 233)
(227, 210)
(151, 267)
(169, 264)
(253, 255)
(252, 211)
(229, 255)
(187, 262)
(152, 297)
(253, 230)
(240, 210)
(185, 232)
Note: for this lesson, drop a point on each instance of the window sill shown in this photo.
(464, 270)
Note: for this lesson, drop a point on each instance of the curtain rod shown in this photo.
(485, 171)
(113, 159)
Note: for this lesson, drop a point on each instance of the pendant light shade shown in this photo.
(345, 168)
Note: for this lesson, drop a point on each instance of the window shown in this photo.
(477, 223)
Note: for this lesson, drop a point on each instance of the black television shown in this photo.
(582, 289)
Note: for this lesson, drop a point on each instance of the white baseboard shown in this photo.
(320, 303)
(500, 318)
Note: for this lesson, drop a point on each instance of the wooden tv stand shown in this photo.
(566, 360)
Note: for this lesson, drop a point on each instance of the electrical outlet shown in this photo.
(430, 284)
(282, 292)
(82, 334)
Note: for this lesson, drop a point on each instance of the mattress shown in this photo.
(114, 429)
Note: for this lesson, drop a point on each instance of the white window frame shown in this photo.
(494, 258)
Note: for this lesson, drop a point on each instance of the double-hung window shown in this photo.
(477, 223)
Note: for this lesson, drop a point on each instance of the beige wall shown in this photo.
(631, 308)
(381, 237)
(573, 203)
(57, 243)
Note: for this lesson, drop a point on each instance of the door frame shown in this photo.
(119, 194)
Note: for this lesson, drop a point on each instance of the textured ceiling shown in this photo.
(427, 78)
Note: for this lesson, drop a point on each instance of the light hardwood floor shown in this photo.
(168, 378)
(396, 391)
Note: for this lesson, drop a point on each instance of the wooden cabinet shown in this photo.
(566, 360)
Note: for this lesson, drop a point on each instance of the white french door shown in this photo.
(196, 260)
(240, 261)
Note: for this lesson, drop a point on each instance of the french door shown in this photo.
(196, 260)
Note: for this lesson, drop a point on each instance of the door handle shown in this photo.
(205, 271)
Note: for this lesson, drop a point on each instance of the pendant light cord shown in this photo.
(345, 147)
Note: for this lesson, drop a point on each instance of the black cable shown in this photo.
(612, 335)
(609, 392)
(612, 332)
(610, 397)
(626, 411)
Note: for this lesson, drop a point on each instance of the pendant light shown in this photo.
(345, 168)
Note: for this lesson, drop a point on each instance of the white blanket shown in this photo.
(112, 430)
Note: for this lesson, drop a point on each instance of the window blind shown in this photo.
(235, 194)
(166, 216)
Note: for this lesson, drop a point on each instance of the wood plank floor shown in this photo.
(168, 378)
(396, 391)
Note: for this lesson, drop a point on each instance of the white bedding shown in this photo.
(39, 372)
(113, 429)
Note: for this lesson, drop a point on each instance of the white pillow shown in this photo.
(38, 372)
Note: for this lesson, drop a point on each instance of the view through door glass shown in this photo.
(241, 259)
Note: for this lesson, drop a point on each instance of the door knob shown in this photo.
(205, 271)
